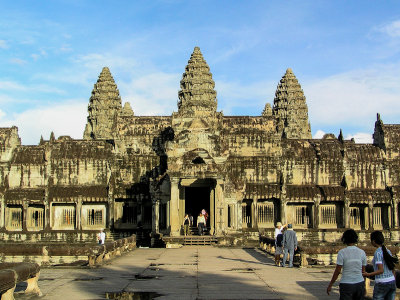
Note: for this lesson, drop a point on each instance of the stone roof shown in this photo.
(197, 87)
(301, 192)
(369, 195)
(29, 155)
(290, 108)
(81, 149)
(65, 193)
(262, 190)
(17, 195)
(332, 193)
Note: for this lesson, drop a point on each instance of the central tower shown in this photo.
(197, 96)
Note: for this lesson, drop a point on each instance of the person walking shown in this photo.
(278, 235)
(101, 237)
(384, 263)
(351, 261)
(289, 244)
(186, 224)
(200, 223)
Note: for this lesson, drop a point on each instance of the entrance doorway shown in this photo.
(196, 199)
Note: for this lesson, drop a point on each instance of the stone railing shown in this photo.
(64, 254)
(98, 254)
(13, 273)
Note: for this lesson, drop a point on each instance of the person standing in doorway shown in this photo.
(186, 224)
(289, 244)
(200, 223)
(101, 237)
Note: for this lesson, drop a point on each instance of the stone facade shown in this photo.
(142, 174)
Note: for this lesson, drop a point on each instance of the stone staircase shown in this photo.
(192, 240)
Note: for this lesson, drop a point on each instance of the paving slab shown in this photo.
(190, 272)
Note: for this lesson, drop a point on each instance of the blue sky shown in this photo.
(345, 54)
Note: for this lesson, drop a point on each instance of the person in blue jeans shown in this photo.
(351, 261)
(383, 262)
(289, 244)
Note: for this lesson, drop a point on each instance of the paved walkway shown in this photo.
(191, 272)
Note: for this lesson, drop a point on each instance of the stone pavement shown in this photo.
(191, 272)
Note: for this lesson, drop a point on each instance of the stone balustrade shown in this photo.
(64, 254)
(98, 254)
(13, 273)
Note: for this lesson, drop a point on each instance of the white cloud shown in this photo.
(68, 118)
(152, 94)
(18, 61)
(42, 88)
(360, 137)
(392, 29)
(353, 98)
(319, 134)
(3, 44)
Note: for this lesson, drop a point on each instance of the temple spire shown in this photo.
(197, 95)
(104, 106)
(290, 108)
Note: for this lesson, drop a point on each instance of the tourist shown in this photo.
(200, 223)
(289, 244)
(278, 235)
(101, 237)
(384, 263)
(351, 261)
(205, 214)
(186, 224)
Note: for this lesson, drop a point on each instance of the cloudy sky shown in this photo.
(345, 54)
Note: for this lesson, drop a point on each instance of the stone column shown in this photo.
(174, 208)
(283, 211)
(254, 220)
(346, 214)
(212, 211)
(79, 214)
(370, 216)
(2, 212)
(219, 204)
(24, 216)
(395, 217)
(156, 217)
(316, 214)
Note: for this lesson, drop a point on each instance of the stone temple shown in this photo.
(143, 173)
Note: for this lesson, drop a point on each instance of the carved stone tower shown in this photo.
(197, 96)
(104, 106)
(290, 108)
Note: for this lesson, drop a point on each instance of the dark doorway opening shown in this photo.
(196, 199)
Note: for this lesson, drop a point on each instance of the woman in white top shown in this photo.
(201, 223)
(351, 261)
(278, 235)
(384, 263)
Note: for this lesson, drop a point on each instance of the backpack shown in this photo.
(279, 239)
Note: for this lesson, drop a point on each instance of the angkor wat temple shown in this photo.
(132, 173)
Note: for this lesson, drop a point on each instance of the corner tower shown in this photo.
(197, 96)
(290, 108)
(104, 106)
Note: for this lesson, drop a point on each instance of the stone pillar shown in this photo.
(219, 205)
(370, 216)
(346, 214)
(254, 218)
(156, 217)
(316, 214)
(212, 211)
(2, 212)
(283, 211)
(24, 216)
(175, 226)
(79, 214)
(395, 217)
